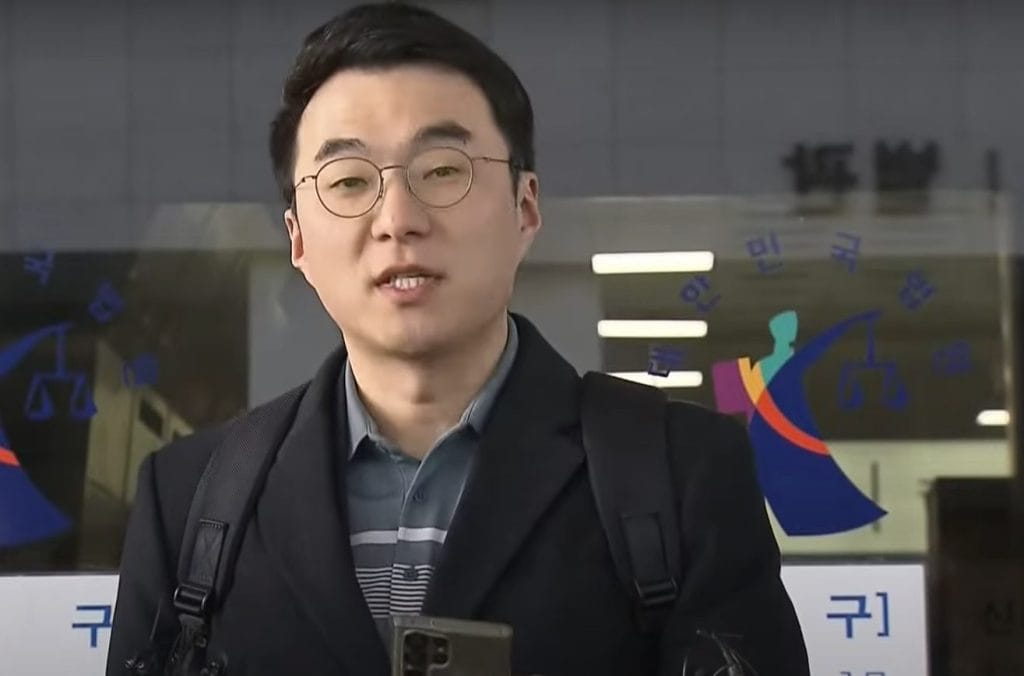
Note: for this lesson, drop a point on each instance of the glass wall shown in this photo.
(825, 197)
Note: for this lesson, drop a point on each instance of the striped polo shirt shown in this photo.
(399, 508)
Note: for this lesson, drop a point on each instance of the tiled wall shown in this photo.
(138, 102)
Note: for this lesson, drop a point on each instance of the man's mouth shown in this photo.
(407, 282)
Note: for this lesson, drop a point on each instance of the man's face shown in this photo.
(472, 248)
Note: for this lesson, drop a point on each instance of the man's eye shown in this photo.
(348, 183)
(443, 172)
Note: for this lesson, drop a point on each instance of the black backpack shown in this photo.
(635, 499)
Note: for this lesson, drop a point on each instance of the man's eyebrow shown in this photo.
(337, 146)
(446, 130)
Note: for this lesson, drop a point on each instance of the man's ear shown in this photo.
(528, 210)
(291, 224)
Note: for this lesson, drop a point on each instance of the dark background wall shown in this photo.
(109, 106)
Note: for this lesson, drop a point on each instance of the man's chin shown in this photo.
(416, 342)
(416, 335)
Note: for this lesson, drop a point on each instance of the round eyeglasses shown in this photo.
(349, 187)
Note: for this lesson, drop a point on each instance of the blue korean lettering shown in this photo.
(41, 266)
(106, 304)
(916, 290)
(94, 627)
(860, 614)
(847, 251)
(884, 596)
(695, 289)
(662, 360)
(761, 248)
(953, 359)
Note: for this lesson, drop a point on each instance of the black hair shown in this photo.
(388, 35)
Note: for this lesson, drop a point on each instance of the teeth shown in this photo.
(406, 282)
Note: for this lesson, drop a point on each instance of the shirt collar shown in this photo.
(361, 423)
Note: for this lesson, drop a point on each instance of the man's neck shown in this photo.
(414, 402)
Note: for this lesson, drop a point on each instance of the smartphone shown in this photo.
(428, 646)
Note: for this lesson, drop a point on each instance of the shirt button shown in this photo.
(419, 496)
(411, 574)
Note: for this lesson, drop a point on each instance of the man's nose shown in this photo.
(399, 214)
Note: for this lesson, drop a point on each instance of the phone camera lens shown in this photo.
(440, 653)
(416, 641)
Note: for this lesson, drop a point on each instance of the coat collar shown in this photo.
(526, 456)
(303, 522)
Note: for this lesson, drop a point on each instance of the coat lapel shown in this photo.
(303, 520)
(527, 455)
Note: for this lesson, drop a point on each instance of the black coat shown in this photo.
(525, 546)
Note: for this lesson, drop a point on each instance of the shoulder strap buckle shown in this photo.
(657, 593)
(192, 599)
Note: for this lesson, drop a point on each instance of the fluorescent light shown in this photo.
(994, 417)
(653, 261)
(652, 328)
(673, 379)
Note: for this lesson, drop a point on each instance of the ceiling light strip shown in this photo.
(651, 262)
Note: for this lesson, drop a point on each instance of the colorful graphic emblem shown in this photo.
(808, 492)
(25, 513)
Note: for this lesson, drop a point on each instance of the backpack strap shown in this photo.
(624, 436)
(223, 502)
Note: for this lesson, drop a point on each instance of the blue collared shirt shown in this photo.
(399, 508)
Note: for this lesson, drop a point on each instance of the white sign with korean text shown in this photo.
(866, 620)
(55, 625)
(858, 620)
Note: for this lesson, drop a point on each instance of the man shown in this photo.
(434, 463)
